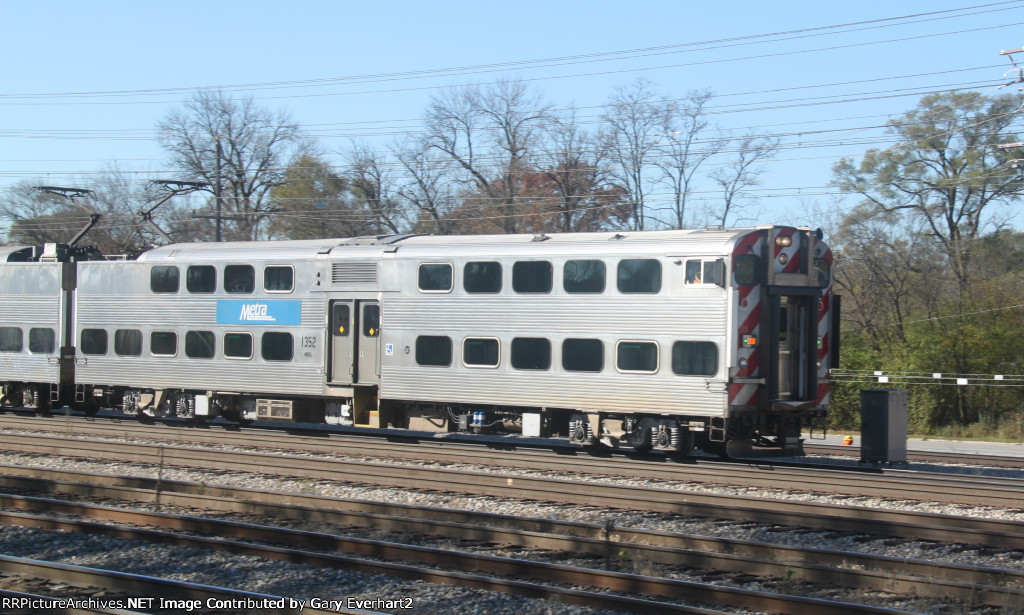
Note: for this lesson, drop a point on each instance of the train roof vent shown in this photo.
(354, 273)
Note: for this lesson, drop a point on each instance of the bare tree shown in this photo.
(683, 150)
(373, 187)
(743, 173)
(427, 188)
(236, 145)
(490, 134)
(572, 161)
(635, 122)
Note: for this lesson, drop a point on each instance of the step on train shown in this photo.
(656, 340)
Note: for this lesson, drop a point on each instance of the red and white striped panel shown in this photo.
(748, 317)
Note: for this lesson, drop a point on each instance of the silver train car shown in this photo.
(666, 340)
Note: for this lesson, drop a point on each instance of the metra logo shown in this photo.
(268, 312)
(255, 312)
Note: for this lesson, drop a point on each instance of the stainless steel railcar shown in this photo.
(664, 339)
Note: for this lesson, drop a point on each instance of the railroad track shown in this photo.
(331, 440)
(840, 568)
(792, 513)
(967, 490)
(133, 594)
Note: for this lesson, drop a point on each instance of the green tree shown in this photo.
(917, 282)
(313, 202)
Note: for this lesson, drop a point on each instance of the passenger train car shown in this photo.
(663, 340)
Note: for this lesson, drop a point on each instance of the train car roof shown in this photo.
(681, 242)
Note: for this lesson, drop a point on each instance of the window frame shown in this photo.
(85, 342)
(604, 276)
(530, 263)
(235, 357)
(420, 279)
(4, 341)
(161, 354)
(418, 350)
(279, 291)
(33, 341)
(203, 337)
(229, 276)
(165, 270)
(512, 354)
(717, 359)
(201, 291)
(467, 277)
(277, 335)
(497, 352)
(618, 357)
(619, 280)
(599, 341)
(127, 341)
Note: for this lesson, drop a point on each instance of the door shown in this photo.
(343, 342)
(368, 361)
(355, 332)
(794, 341)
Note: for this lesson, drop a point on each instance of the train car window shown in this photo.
(482, 277)
(11, 339)
(783, 324)
(714, 272)
(583, 276)
(636, 357)
(341, 319)
(371, 320)
(748, 269)
(532, 277)
(199, 344)
(276, 346)
(531, 353)
(582, 355)
(639, 275)
(238, 345)
(93, 341)
(434, 350)
(278, 278)
(694, 272)
(41, 340)
(823, 271)
(239, 278)
(201, 279)
(163, 279)
(128, 342)
(480, 352)
(695, 358)
(163, 343)
(435, 277)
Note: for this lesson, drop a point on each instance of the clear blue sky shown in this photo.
(85, 83)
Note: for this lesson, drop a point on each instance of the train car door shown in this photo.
(368, 362)
(343, 342)
(355, 330)
(794, 346)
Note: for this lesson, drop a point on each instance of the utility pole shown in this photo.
(218, 195)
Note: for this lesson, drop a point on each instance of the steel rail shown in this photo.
(870, 520)
(866, 482)
(967, 584)
(483, 567)
(1001, 461)
(146, 587)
